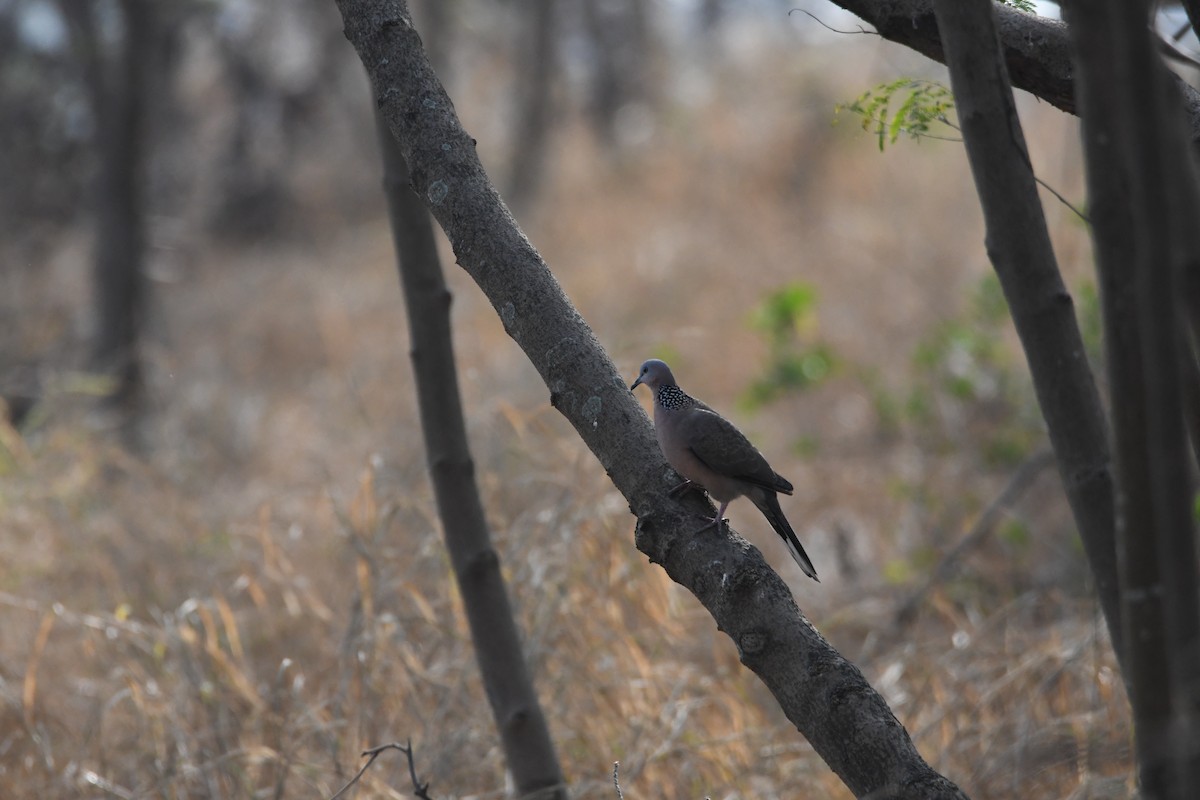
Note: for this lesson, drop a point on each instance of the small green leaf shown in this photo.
(919, 406)
(990, 304)
(807, 446)
(1016, 533)
(960, 387)
(787, 310)
(667, 353)
(897, 572)
(1091, 321)
(1008, 447)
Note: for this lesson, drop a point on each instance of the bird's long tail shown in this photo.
(768, 504)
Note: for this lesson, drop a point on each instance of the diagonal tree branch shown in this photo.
(1192, 9)
(823, 694)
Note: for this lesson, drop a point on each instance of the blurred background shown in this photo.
(221, 571)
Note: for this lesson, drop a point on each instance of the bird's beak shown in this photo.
(636, 383)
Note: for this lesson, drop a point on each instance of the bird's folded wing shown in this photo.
(726, 451)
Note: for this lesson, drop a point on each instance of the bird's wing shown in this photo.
(726, 451)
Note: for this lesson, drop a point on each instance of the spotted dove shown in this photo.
(709, 451)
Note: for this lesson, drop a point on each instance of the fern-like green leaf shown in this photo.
(921, 103)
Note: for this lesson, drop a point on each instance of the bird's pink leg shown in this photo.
(718, 520)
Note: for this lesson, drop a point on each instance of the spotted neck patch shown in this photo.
(672, 398)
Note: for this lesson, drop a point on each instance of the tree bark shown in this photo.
(824, 695)
(528, 748)
(1018, 244)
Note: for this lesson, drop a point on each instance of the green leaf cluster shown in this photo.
(1091, 322)
(968, 388)
(919, 105)
(798, 359)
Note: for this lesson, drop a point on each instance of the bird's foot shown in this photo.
(716, 522)
(683, 488)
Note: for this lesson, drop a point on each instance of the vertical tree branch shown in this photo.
(1158, 162)
(117, 87)
(535, 104)
(1018, 244)
(1113, 233)
(519, 719)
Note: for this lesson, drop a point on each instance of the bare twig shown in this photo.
(861, 29)
(1022, 479)
(1040, 182)
(420, 790)
(1062, 199)
(617, 781)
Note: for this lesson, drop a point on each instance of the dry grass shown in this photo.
(243, 609)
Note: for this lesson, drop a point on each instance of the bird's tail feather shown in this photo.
(768, 504)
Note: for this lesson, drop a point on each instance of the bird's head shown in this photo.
(654, 373)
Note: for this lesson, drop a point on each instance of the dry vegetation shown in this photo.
(263, 593)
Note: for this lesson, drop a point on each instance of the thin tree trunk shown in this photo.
(1113, 233)
(1018, 244)
(437, 18)
(1157, 160)
(619, 34)
(535, 106)
(117, 88)
(528, 748)
(825, 696)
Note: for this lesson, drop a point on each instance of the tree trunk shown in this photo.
(619, 34)
(528, 748)
(535, 106)
(117, 88)
(1018, 244)
(1142, 186)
